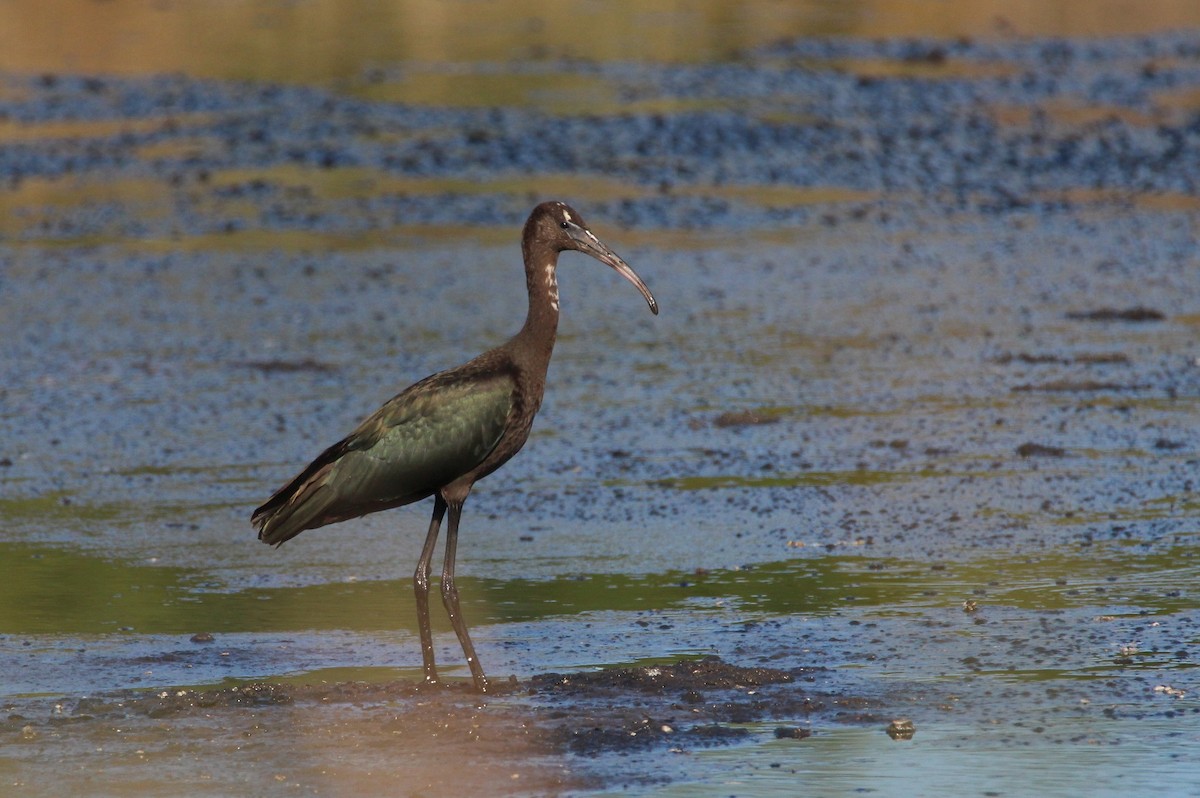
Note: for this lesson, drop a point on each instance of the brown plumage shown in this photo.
(442, 434)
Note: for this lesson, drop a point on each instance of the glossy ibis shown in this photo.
(438, 437)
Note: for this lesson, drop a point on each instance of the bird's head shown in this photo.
(560, 227)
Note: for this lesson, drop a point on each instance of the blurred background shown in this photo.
(338, 43)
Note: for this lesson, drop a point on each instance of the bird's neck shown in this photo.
(541, 323)
(537, 337)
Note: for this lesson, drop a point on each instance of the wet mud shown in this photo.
(662, 710)
(897, 494)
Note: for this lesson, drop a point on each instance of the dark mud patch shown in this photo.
(1079, 386)
(287, 366)
(691, 702)
(743, 418)
(1040, 450)
(1136, 314)
(1095, 358)
(707, 673)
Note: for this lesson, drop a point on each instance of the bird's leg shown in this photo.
(421, 586)
(450, 599)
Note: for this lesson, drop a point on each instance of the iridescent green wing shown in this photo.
(424, 438)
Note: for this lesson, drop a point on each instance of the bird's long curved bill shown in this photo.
(596, 248)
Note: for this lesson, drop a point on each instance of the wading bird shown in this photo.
(441, 435)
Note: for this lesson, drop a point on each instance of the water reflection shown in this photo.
(51, 590)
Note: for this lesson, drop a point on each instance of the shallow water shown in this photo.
(969, 761)
(874, 439)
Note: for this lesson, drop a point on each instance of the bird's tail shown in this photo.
(302, 504)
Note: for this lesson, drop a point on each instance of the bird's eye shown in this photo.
(563, 225)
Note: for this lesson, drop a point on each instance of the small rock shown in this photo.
(202, 637)
(791, 733)
(901, 729)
